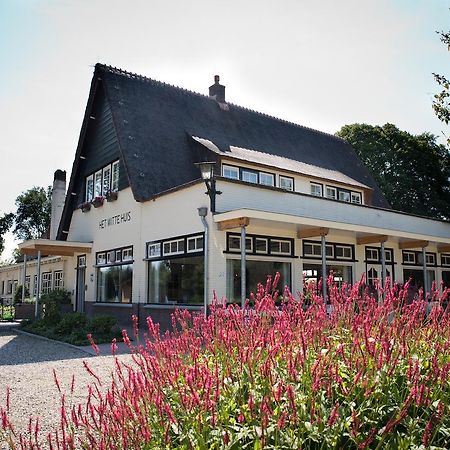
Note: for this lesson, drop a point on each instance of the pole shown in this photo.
(243, 266)
(324, 268)
(38, 290)
(425, 275)
(24, 277)
(206, 261)
(383, 265)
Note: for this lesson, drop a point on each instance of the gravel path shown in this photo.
(26, 366)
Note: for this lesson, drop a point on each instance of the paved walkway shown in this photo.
(26, 366)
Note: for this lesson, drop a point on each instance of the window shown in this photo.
(127, 254)
(115, 176)
(230, 172)
(46, 282)
(312, 273)
(194, 244)
(106, 179)
(316, 189)
(344, 196)
(280, 247)
(173, 247)
(118, 255)
(35, 285)
(409, 257)
(343, 252)
(154, 250)
(176, 281)
(101, 258)
(111, 257)
(98, 184)
(372, 254)
(89, 188)
(431, 259)
(234, 243)
(445, 259)
(261, 245)
(256, 272)
(59, 279)
(331, 192)
(9, 286)
(267, 179)
(114, 283)
(286, 183)
(2, 290)
(249, 176)
(314, 249)
(81, 261)
(388, 255)
(27, 283)
(416, 276)
(356, 197)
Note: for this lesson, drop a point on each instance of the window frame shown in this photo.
(332, 188)
(330, 247)
(282, 178)
(356, 194)
(244, 170)
(315, 185)
(445, 257)
(251, 245)
(346, 192)
(115, 175)
(230, 168)
(58, 279)
(266, 174)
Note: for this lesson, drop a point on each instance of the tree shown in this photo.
(441, 103)
(6, 222)
(32, 218)
(413, 172)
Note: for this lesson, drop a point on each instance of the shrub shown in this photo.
(71, 322)
(354, 374)
(52, 302)
(18, 294)
(102, 324)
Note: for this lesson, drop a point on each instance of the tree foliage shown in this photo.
(413, 171)
(6, 222)
(32, 218)
(441, 104)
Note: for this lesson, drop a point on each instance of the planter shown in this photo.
(25, 310)
(98, 201)
(111, 196)
(85, 207)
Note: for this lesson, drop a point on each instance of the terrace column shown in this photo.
(38, 288)
(24, 276)
(425, 275)
(243, 265)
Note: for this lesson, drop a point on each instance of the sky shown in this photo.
(322, 64)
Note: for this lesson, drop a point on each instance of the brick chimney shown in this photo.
(58, 198)
(217, 91)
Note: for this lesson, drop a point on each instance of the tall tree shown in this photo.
(412, 171)
(32, 218)
(6, 222)
(441, 103)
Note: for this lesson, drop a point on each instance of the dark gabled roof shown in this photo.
(155, 121)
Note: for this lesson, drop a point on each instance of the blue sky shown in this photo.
(322, 64)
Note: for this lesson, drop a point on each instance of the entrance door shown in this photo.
(81, 283)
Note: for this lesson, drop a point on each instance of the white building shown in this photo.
(289, 191)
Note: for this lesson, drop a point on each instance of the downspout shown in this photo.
(202, 212)
(24, 277)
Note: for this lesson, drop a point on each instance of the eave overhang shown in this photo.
(54, 248)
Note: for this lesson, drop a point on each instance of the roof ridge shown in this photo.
(119, 71)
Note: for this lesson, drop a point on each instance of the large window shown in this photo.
(115, 275)
(46, 282)
(312, 273)
(313, 250)
(176, 270)
(102, 181)
(255, 272)
(59, 279)
(176, 281)
(416, 277)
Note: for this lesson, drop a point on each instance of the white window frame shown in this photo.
(344, 249)
(237, 239)
(313, 188)
(356, 197)
(342, 194)
(179, 247)
(89, 194)
(375, 251)
(106, 179)
(280, 243)
(115, 176)
(430, 259)
(231, 170)
(250, 173)
(387, 252)
(111, 257)
(198, 244)
(269, 176)
(266, 246)
(290, 180)
(58, 279)
(329, 189)
(35, 285)
(118, 255)
(313, 246)
(407, 260)
(445, 259)
(101, 258)
(154, 250)
(46, 282)
(127, 254)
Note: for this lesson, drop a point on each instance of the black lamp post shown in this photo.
(207, 172)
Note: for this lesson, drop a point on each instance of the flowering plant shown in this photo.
(356, 373)
(111, 196)
(98, 201)
(85, 206)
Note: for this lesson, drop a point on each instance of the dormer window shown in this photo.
(356, 197)
(286, 183)
(230, 172)
(344, 196)
(250, 176)
(266, 178)
(316, 189)
(331, 192)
